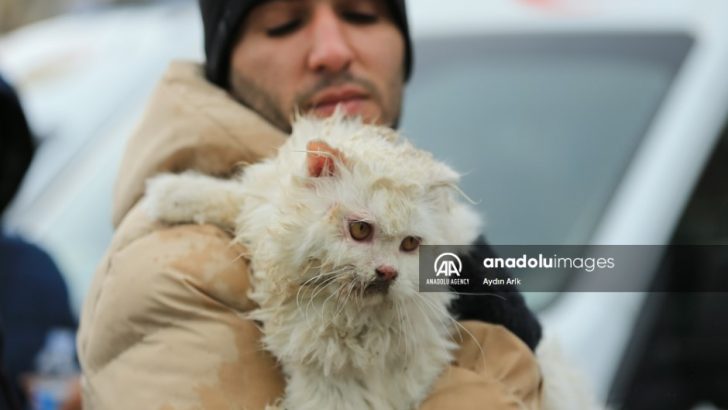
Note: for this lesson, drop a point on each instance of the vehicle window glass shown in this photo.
(542, 127)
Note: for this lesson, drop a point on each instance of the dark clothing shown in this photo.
(33, 300)
(505, 306)
(33, 295)
(8, 401)
(16, 144)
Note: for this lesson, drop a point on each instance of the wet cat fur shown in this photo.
(342, 342)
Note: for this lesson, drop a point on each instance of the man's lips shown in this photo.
(349, 97)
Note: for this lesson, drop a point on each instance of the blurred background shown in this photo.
(575, 122)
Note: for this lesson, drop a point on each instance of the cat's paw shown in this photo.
(192, 198)
(167, 199)
(277, 405)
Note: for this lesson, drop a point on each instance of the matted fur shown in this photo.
(340, 347)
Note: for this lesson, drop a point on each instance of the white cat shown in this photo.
(333, 224)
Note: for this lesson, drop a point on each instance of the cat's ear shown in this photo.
(322, 159)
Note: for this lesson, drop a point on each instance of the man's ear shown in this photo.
(322, 159)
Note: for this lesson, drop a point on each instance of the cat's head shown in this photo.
(357, 207)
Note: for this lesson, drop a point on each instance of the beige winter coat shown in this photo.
(162, 326)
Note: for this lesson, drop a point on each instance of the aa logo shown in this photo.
(448, 264)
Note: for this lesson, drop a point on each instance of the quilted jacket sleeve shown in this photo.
(162, 327)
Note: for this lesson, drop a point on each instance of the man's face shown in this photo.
(310, 55)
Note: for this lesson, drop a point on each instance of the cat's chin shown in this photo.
(371, 294)
(376, 288)
(375, 299)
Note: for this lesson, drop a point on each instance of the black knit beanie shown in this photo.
(222, 18)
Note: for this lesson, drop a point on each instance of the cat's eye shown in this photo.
(360, 230)
(409, 244)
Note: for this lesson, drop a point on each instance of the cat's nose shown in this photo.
(386, 273)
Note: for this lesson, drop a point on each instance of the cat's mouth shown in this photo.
(346, 283)
(377, 287)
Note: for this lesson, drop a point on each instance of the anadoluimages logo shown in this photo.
(448, 264)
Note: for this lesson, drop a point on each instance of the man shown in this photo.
(162, 326)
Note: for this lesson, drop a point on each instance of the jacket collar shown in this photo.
(190, 124)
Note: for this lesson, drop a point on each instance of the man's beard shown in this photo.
(250, 94)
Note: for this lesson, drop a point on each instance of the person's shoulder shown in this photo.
(148, 259)
(490, 366)
(19, 254)
(159, 285)
(14, 243)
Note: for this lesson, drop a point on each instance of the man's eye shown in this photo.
(284, 29)
(360, 17)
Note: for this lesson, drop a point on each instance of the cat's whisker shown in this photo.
(407, 353)
(438, 311)
(442, 314)
(464, 195)
(328, 278)
(314, 265)
(400, 328)
(458, 326)
(318, 283)
(298, 292)
(322, 274)
(475, 340)
(320, 286)
(352, 285)
(323, 305)
(438, 314)
(441, 311)
(334, 294)
(411, 325)
(316, 291)
(298, 296)
(325, 274)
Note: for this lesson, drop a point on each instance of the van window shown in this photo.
(543, 127)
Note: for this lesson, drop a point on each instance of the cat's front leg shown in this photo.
(277, 405)
(194, 197)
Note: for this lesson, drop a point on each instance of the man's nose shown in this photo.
(330, 50)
